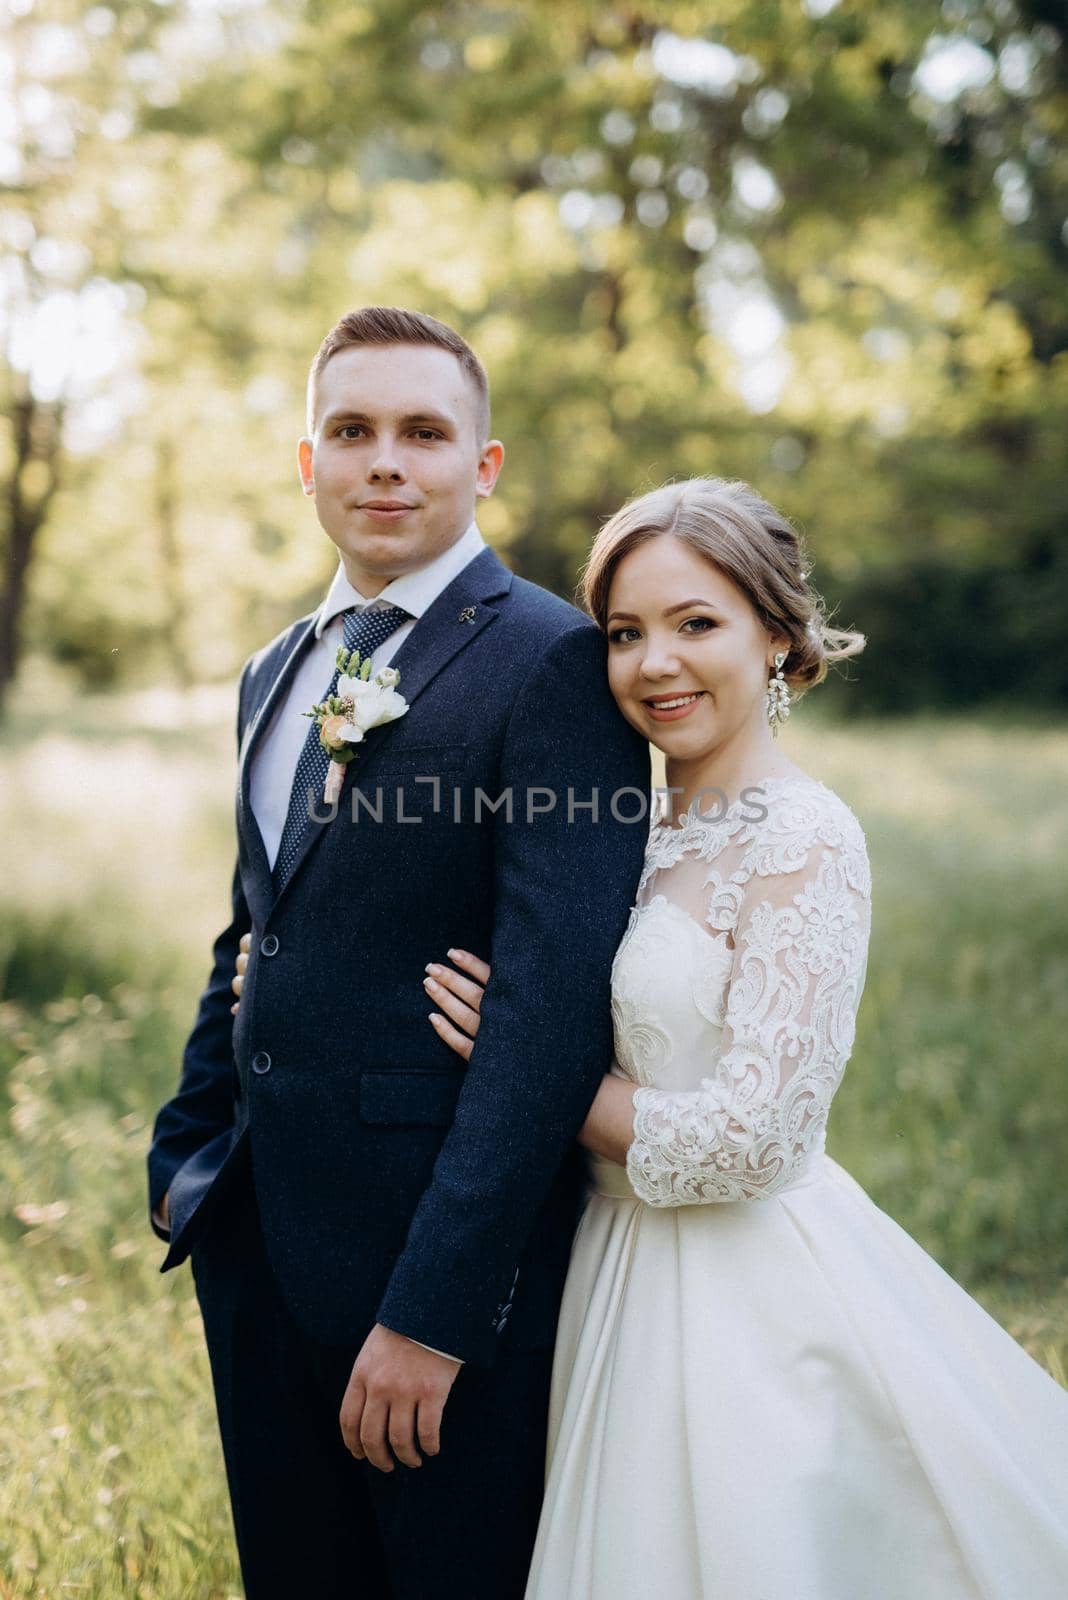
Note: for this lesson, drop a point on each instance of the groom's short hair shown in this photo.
(385, 325)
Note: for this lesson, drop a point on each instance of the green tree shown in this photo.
(822, 248)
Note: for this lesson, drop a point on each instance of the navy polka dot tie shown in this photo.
(364, 631)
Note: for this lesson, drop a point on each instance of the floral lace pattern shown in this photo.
(735, 992)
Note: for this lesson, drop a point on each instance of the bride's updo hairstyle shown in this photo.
(728, 523)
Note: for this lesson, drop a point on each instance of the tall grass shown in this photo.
(954, 1113)
(114, 881)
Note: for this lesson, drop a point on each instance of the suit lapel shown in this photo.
(263, 892)
(456, 618)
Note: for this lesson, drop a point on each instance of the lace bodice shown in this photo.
(735, 991)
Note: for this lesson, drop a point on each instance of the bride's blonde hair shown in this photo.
(729, 524)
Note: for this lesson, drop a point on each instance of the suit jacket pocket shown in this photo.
(422, 789)
(410, 1095)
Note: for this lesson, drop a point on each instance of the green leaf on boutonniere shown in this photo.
(365, 670)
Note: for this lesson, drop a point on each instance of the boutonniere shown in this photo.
(359, 704)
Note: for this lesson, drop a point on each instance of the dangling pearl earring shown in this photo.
(777, 698)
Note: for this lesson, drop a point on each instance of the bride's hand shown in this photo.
(238, 983)
(459, 997)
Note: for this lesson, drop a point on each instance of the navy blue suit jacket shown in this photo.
(395, 1182)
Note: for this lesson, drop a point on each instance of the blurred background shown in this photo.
(821, 246)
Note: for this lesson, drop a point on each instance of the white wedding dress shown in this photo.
(763, 1388)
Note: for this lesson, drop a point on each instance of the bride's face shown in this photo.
(688, 657)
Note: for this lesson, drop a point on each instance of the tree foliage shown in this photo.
(819, 247)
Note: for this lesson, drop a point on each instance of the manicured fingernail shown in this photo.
(452, 954)
(432, 966)
(435, 1018)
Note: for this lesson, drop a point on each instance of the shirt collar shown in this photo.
(414, 591)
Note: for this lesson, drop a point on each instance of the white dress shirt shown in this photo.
(275, 762)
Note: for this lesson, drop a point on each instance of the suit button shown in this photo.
(261, 1062)
(269, 945)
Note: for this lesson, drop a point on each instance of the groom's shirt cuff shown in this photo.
(434, 1352)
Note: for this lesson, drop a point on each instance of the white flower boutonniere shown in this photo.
(359, 704)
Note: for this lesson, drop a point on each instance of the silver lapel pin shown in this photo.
(467, 614)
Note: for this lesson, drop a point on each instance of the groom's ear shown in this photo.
(304, 462)
(490, 463)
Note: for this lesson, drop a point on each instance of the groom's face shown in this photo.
(395, 463)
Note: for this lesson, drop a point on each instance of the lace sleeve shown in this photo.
(800, 954)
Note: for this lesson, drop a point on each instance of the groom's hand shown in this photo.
(396, 1395)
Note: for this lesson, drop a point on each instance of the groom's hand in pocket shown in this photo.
(395, 1399)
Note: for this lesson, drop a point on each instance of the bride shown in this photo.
(762, 1386)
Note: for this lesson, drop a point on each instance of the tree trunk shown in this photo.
(35, 439)
(170, 560)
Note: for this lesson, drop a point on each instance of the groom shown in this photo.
(379, 1232)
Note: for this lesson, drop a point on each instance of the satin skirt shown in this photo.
(788, 1399)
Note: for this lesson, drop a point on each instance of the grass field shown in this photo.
(954, 1114)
